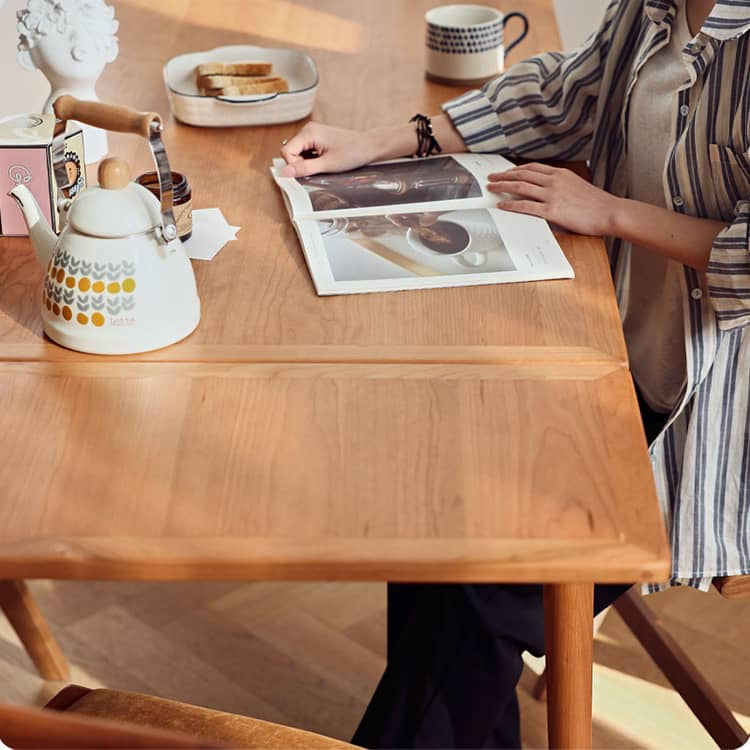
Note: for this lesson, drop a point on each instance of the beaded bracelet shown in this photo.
(426, 142)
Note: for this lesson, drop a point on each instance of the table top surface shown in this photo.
(482, 433)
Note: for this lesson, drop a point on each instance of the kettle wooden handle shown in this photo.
(105, 116)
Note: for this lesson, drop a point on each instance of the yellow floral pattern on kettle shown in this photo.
(89, 293)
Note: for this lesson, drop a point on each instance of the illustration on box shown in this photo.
(26, 158)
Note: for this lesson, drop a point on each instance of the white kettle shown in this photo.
(117, 280)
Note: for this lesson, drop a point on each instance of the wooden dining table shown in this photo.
(480, 434)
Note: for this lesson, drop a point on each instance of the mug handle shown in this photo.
(522, 35)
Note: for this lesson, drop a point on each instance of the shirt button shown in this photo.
(696, 293)
(684, 110)
(678, 201)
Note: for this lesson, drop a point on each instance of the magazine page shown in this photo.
(428, 249)
(405, 185)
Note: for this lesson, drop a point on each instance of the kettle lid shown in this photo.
(115, 208)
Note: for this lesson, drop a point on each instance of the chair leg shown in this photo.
(679, 669)
(24, 616)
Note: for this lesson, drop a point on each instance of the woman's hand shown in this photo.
(557, 195)
(335, 149)
(562, 197)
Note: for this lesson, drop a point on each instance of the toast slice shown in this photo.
(249, 68)
(266, 87)
(220, 82)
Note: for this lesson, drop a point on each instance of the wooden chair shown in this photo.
(677, 666)
(78, 717)
(32, 728)
(25, 618)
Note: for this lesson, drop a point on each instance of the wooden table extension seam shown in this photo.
(486, 434)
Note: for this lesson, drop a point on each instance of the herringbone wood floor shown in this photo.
(310, 655)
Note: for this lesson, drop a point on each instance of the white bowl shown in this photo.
(191, 107)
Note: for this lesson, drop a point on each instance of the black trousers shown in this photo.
(454, 659)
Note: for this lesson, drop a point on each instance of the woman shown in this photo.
(658, 101)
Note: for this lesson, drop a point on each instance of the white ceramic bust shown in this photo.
(70, 41)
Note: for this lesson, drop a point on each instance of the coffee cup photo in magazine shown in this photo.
(416, 244)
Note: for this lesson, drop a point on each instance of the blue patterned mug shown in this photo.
(465, 43)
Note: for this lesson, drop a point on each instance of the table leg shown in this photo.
(20, 608)
(569, 643)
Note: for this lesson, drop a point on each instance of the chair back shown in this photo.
(733, 587)
(22, 727)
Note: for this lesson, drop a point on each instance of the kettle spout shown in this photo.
(42, 237)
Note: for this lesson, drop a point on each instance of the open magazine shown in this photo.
(416, 224)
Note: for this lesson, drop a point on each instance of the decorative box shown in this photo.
(26, 157)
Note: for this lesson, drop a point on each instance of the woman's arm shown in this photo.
(339, 149)
(547, 107)
(564, 198)
(686, 239)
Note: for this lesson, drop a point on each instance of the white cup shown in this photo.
(465, 43)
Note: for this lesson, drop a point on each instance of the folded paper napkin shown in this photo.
(210, 233)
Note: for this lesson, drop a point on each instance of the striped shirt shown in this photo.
(574, 107)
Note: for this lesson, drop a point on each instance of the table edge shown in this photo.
(298, 559)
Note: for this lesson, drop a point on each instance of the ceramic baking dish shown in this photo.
(191, 107)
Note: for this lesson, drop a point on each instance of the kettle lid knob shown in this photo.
(114, 174)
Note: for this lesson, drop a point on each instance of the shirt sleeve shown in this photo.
(542, 108)
(728, 271)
